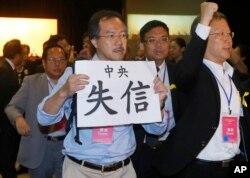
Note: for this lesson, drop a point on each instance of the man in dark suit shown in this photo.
(155, 42)
(207, 137)
(12, 52)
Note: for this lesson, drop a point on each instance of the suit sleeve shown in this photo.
(188, 68)
(18, 103)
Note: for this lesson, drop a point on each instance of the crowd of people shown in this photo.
(202, 88)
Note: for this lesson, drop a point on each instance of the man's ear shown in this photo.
(43, 62)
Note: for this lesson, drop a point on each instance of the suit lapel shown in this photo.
(45, 88)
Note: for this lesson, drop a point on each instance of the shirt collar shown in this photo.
(228, 68)
(162, 66)
(214, 67)
(11, 63)
(95, 58)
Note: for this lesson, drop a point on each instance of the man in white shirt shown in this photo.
(207, 137)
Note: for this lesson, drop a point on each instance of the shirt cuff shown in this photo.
(202, 31)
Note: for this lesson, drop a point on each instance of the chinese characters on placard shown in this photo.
(139, 92)
(117, 91)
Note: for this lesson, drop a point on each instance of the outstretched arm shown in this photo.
(188, 68)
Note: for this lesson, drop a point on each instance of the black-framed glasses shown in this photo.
(153, 41)
(112, 37)
(56, 59)
(223, 34)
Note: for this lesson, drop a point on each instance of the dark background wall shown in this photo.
(161, 7)
(73, 15)
(238, 14)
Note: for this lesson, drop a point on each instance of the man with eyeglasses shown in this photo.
(154, 40)
(211, 133)
(223, 34)
(56, 39)
(40, 148)
(86, 157)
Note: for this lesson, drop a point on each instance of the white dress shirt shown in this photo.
(217, 149)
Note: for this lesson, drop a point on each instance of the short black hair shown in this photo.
(46, 49)
(93, 25)
(26, 46)
(149, 26)
(180, 41)
(53, 39)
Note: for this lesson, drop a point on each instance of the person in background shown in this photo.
(40, 148)
(26, 52)
(9, 139)
(139, 54)
(56, 40)
(128, 54)
(26, 66)
(29, 57)
(29, 64)
(59, 40)
(19, 69)
(86, 157)
(207, 137)
(177, 48)
(154, 41)
(62, 41)
(88, 50)
(240, 57)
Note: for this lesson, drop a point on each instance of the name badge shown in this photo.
(230, 128)
(103, 135)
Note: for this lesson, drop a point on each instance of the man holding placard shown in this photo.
(103, 151)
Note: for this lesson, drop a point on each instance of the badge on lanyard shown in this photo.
(229, 121)
(230, 125)
(103, 135)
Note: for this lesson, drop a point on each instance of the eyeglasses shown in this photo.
(54, 60)
(112, 37)
(223, 34)
(153, 41)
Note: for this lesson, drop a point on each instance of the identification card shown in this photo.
(103, 135)
(230, 128)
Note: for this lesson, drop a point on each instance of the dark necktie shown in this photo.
(157, 69)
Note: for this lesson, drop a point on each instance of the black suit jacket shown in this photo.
(199, 118)
(138, 129)
(8, 87)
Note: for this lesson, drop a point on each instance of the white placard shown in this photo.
(119, 93)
